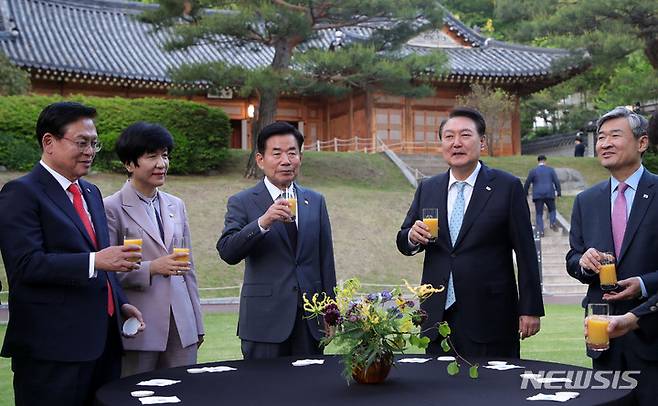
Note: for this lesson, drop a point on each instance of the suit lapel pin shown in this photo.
(645, 196)
(306, 202)
(89, 190)
(171, 215)
(488, 188)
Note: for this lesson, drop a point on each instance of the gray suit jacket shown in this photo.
(275, 276)
(155, 295)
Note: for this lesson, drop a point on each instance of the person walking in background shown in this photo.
(484, 220)
(579, 147)
(620, 216)
(545, 186)
(165, 285)
(65, 302)
(283, 234)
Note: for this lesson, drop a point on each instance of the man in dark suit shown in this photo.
(545, 185)
(620, 216)
(579, 147)
(642, 319)
(64, 300)
(286, 255)
(484, 218)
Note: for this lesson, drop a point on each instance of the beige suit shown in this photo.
(155, 295)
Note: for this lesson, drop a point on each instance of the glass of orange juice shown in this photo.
(597, 326)
(133, 237)
(608, 272)
(431, 220)
(181, 246)
(292, 203)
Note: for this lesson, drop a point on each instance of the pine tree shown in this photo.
(377, 61)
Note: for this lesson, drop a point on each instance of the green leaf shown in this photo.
(413, 340)
(473, 371)
(423, 342)
(453, 368)
(445, 345)
(444, 329)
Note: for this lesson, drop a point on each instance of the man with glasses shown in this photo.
(64, 300)
(620, 216)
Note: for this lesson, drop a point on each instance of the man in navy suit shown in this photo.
(285, 254)
(545, 185)
(484, 218)
(64, 300)
(643, 319)
(620, 216)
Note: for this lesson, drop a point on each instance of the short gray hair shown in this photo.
(639, 125)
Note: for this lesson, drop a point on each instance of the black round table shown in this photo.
(277, 382)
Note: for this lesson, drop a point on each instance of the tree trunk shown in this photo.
(268, 103)
(651, 51)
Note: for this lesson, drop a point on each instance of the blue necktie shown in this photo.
(455, 224)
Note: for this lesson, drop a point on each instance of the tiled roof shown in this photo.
(103, 38)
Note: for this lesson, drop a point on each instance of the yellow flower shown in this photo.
(316, 306)
(423, 291)
(406, 326)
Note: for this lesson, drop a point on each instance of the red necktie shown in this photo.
(80, 209)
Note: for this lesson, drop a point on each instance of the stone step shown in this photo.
(563, 278)
(565, 289)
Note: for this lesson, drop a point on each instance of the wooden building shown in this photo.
(99, 48)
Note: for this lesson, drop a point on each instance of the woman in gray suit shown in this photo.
(165, 286)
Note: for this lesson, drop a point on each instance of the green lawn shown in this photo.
(560, 340)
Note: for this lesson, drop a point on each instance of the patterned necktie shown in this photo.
(455, 224)
(619, 217)
(80, 209)
(155, 216)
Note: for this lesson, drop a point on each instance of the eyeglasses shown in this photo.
(83, 145)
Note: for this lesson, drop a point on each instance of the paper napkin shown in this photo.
(157, 382)
(557, 397)
(210, 369)
(307, 362)
(413, 360)
(156, 400)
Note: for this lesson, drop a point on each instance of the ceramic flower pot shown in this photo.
(376, 372)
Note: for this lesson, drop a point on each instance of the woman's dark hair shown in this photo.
(141, 138)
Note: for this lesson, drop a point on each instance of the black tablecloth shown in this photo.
(277, 382)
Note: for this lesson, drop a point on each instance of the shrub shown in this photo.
(201, 133)
(650, 161)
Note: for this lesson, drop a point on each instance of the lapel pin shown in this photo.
(645, 196)
(171, 215)
(89, 190)
(306, 202)
(488, 188)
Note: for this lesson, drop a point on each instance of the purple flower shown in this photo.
(331, 314)
(410, 303)
(386, 295)
(372, 297)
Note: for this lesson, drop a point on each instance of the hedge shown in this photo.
(201, 133)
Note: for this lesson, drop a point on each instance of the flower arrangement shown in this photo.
(367, 329)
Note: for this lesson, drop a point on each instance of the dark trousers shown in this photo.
(300, 343)
(43, 382)
(467, 347)
(539, 212)
(620, 357)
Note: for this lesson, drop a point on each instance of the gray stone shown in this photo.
(571, 180)
(3, 168)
